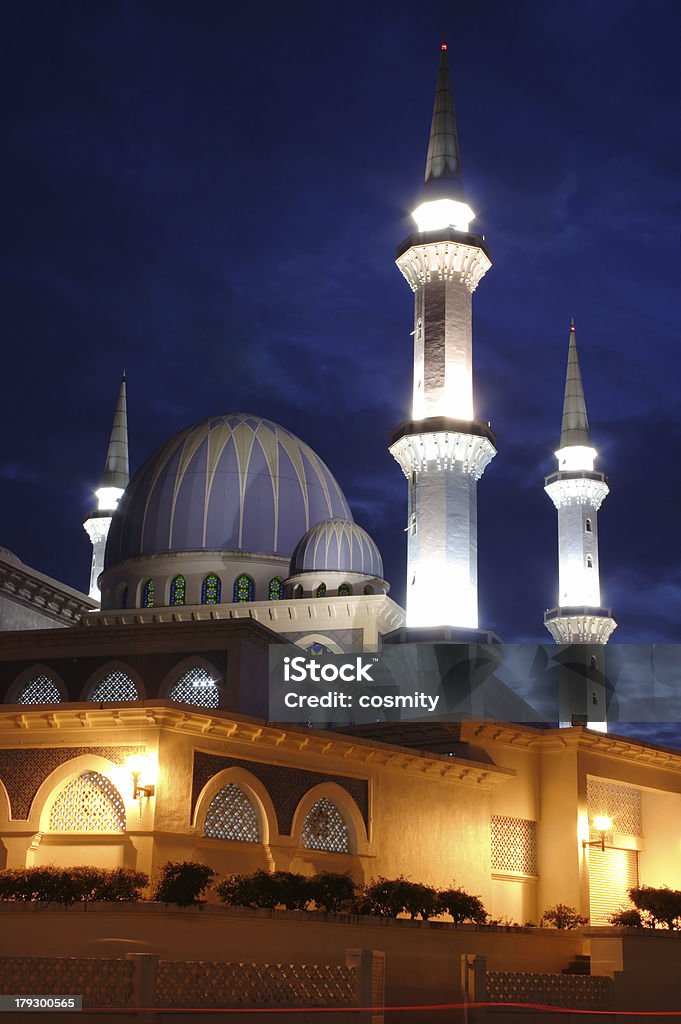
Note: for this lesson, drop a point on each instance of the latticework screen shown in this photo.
(514, 845)
(39, 690)
(90, 803)
(620, 803)
(196, 686)
(114, 686)
(324, 828)
(231, 815)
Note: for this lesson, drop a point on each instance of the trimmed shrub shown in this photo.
(182, 882)
(265, 890)
(461, 906)
(662, 906)
(562, 916)
(386, 897)
(72, 885)
(332, 892)
(626, 918)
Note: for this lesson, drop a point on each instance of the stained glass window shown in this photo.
(115, 685)
(197, 687)
(211, 589)
(90, 803)
(275, 590)
(231, 815)
(318, 649)
(321, 590)
(39, 690)
(148, 594)
(324, 828)
(178, 590)
(344, 590)
(244, 588)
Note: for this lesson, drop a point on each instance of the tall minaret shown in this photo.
(577, 491)
(114, 482)
(443, 450)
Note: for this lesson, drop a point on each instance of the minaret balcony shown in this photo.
(447, 255)
(579, 487)
(442, 443)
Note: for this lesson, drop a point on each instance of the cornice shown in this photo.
(27, 587)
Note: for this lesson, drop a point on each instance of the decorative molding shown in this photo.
(443, 450)
(57, 601)
(580, 629)
(579, 490)
(445, 261)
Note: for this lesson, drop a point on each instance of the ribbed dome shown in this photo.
(337, 545)
(234, 483)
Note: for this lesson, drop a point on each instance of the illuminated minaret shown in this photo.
(443, 450)
(114, 482)
(577, 491)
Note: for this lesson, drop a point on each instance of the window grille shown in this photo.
(275, 590)
(321, 590)
(211, 589)
(344, 590)
(622, 804)
(39, 690)
(197, 687)
(116, 685)
(324, 829)
(178, 590)
(231, 815)
(514, 845)
(244, 589)
(90, 803)
(318, 649)
(148, 594)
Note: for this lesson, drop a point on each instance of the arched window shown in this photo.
(39, 690)
(148, 594)
(90, 803)
(178, 590)
(589, 562)
(115, 685)
(298, 591)
(197, 687)
(275, 589)
(587, 526)
(318, 649)
(368, 589)
(324, 828)
(321, 590)
(244, 589)
(231, 815)
(211, 589)
(344, 590)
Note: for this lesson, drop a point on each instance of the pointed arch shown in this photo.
(252, 787)
(38, 684)
(114, 681)
(178, 590)
(244, 589)
(194, 681)
(344, 590)
(321, 590)
(148, 594)
(275, 589)
(211, 589)
(319, 640)
(352, 839)
(90, 802)
(59, 779)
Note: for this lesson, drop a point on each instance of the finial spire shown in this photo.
(575, 425)
(443, 163)
(116, 468)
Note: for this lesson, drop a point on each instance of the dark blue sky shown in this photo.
(211, 197)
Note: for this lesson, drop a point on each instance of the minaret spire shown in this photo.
(577, 490)
(442, 449)
(114, 481)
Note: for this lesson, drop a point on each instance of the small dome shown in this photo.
(337, 545)
(233, 483)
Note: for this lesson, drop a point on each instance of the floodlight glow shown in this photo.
(108, 498)
(443, 213)
(602, 823)
(576, 458)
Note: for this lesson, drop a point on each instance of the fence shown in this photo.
(141, 985)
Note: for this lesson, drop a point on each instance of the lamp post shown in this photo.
(602, 824)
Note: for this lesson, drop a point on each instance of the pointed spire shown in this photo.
(575, 426)
(443, 163)
(116, 469)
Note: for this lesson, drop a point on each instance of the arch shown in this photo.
(345, 806)
(275, 589)
(211, 589)
(255, 791)
(178, 590)
(114, 681)
(57, 780)
(344, 590)
(148, 594)
(38, 684)
(318, 639)
(297, 591)
(368, 589)
(89, 803)
(587, 526)
(321, 590)
(194, 681)
(589, 562)
(244, 589)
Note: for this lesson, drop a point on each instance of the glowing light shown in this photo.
(602, 823)
(440, 596)
(443, 213)
(576, 458)
(108, 498)
(444, 46)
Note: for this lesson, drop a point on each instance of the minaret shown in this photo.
(443, 450)
(114, 482)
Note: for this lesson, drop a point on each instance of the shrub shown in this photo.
(626, 918)
(182, 882)
(563, 916)
(461, 906)
(71, 885)
(661, 906)
(332, 892)
(262, 889)
(387, 897)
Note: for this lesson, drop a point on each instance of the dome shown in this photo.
(337, 545)
(233, 483)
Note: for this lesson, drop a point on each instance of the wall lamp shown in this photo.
(136, 765)
(602, 824)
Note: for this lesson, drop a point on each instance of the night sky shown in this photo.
(211, 196)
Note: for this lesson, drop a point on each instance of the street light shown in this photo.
(602, 824)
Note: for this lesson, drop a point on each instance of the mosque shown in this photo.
(235, 537)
